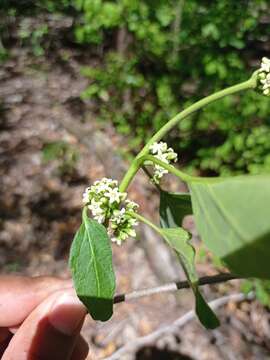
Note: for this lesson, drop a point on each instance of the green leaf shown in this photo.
(92, 270)
(206, 315)
(178, 239)
(233, 219)
(173, 208)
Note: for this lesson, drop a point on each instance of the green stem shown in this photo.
(183, 176)
(145, 221)
(249, 84)
(138, 162)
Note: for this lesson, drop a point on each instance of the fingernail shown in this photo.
(67, 314)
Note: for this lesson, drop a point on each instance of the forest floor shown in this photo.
(51, 148)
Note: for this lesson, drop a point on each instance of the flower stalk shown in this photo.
(108, 203)
(134, 167)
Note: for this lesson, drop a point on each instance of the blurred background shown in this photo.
(83, 85)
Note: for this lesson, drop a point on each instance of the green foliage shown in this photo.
(232, 217)
(33, 36)
(261, 289)
(118, 79)
(178, 239)
(156, 60)
(92, 269)
(27, 23)
(176, 61)
(65, 154)
(3, 53)
(173, 208)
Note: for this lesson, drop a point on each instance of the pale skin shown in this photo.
(40, 319)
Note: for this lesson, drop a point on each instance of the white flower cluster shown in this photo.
(122, 222)
(161, 151)
(264, 76)
(111, 207)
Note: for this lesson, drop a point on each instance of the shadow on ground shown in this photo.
(153, 353)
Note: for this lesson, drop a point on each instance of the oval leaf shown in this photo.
(233, 219)
(92, 270)
(206, 315)
(178, 239)
(173, 208)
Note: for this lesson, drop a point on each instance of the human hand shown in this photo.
(40, 318)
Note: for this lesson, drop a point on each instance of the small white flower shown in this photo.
(100, 218)
(131, 205)
(95, 207)
(114, 195)
(118, 216)
(158, 148)
(265, 65)
(171, 155)
(104, 185)
(86, 195)
(264, 76)
(266, 81)
(161, 151)
(98, 212)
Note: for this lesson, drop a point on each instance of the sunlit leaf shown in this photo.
(233, 218)
(92, 269)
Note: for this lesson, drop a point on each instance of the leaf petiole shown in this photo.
(145, 221)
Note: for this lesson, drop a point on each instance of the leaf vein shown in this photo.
(94, 261)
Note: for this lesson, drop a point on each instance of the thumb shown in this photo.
(20, 295)
(50, 331)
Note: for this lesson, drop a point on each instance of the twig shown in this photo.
(205, 280)
(174, 327)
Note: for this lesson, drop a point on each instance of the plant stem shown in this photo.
(249, 84)
(183, 176)
(138, 162)
(146, 221)
(179, 285)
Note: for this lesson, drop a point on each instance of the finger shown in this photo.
(81, 350)
(20, 295)
(14, 329)
(51, 330)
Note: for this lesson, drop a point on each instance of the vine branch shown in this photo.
(249, 84)
(205, 280)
